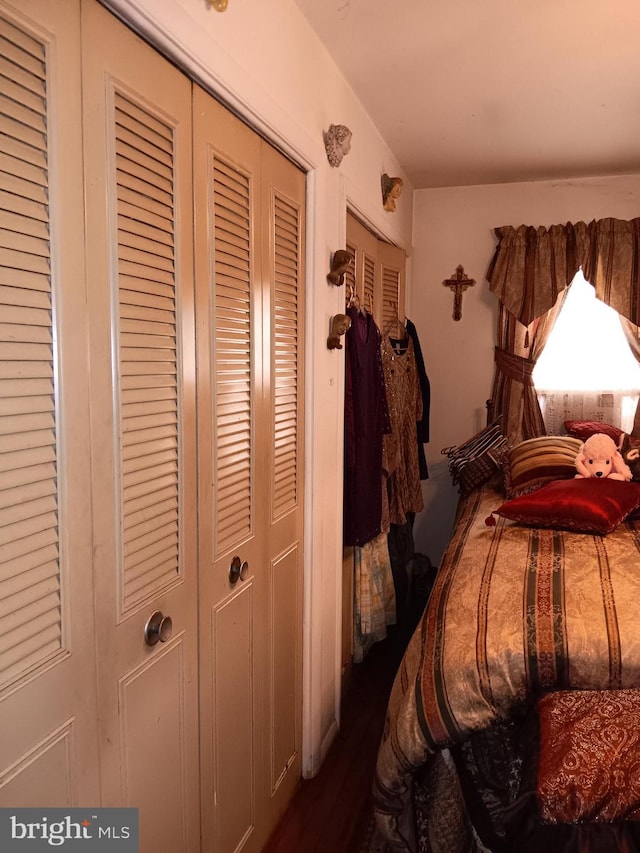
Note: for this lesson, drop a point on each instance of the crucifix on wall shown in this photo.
(458, 283)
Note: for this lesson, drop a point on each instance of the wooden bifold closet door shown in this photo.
(48, 708)
(138, 172)
(151, 430)
(249, 275)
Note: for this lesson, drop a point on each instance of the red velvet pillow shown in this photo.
(585, 429)
(586, 505)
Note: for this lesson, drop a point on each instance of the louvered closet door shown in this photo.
(140, 278)
(283, 199)
(364, 246)
(231, 470)
(249, 226)
(48, 738)
(392, 276)
(379, 273)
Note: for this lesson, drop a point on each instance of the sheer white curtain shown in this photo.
(587, 370)
(613, 407)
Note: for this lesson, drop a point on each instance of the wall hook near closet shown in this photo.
(340, 324)
(340, 263)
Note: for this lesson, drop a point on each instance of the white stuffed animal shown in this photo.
(600, 457)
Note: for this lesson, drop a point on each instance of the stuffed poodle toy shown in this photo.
(599, 457)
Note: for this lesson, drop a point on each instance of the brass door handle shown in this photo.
(158, 628)
(238, 570)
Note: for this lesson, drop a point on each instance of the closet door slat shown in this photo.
(233, 394)
(285, 355)
(148, 352)
(31, 587)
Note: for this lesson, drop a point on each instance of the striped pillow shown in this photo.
(478, 460)
(538, 461)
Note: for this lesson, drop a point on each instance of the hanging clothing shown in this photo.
(374, 598)
(366, 420)
(422, 426)
(405, 410)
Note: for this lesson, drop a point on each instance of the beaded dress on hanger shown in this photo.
(404, 400)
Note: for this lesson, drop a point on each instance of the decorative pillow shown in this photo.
(587, 505)
(585, 429)
(478, 460)
(537, 461)
(589, 756)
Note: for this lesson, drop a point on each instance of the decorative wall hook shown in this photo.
(391, 189)
(339, 265)
(458, 283)
(337, 143)
(218, 5)
(339, 325)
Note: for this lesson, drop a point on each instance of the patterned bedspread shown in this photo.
(514, 611)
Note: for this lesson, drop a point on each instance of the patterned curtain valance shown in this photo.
(532, 266)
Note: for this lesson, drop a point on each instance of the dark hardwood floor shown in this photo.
(330, 812)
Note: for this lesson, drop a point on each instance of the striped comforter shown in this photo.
(514, 611)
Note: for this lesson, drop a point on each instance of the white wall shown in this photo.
(455, 226)
(265, 62)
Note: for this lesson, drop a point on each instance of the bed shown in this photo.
(518, 608)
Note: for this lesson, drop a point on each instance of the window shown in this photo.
(586, 368)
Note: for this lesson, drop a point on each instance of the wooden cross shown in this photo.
(458, 283)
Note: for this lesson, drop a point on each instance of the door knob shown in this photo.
(157, 629)
(238, 570)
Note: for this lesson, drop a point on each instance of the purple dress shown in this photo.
(366, 420)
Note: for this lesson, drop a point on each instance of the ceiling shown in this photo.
(493, 91)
